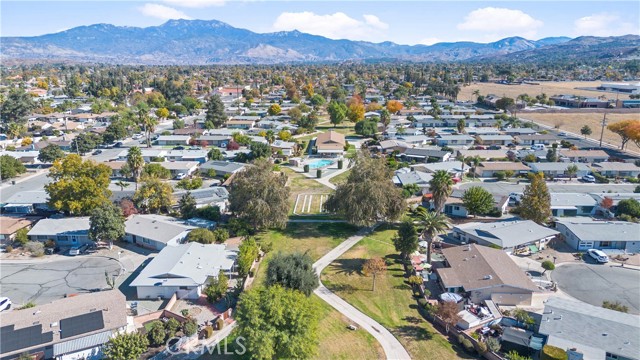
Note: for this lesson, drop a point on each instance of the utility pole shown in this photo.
(604, 122)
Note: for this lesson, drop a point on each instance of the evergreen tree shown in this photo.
(536, 201)
(477, 201)
(406, 240)
(215, 112)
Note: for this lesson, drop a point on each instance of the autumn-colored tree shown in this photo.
(162, 113)
(355, 111)
(606, 203)
(274, 109)
(448, 312)
(374, 267)
(127, 207)
(394, 106)
(627, 130)
(536, 200)
(373, 106)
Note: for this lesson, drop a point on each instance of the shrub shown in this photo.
(184, 312)
(553, 353)
(548, 265)
(28, 305)
(481, 347)
(615, 306)
(468, 346)
(500, 175)
(8, 249)
(460, 338)
(221, 235)
(50, 244)
(495, 212)
(600, 179)
(422, 302)
(171, 326)
(35, 248)
(208, 332)
(21, 236)
(190, 328)
(493, 344)
(200, 235)
(156, 333)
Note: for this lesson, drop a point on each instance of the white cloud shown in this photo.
(429, 41)
(496, 23)
(195, 3)
(335, 26)
(603, 24)
(162, 12)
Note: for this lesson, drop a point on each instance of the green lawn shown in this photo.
(392, 303)
(300, 184)
(339, 179)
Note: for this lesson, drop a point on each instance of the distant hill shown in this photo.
(200, 42)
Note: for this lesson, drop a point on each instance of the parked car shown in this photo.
(97, 152)
(74, 251)
(538, 147)
(5, 303)
(180, 176)
(195, 148)
(495, 147)
(178, 148)
(118, 144)
(598, 256)
(562, 134)
(215, 182)
(137, 136)
(51, 251)
(589, 178)
(83, 248)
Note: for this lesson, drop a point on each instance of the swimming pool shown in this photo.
(317, 164)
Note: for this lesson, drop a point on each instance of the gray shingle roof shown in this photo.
(588, 229)
(226, 166)
(508, 234)
(155, 227)
(77, 225)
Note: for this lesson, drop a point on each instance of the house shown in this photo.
(179, 167)
(9, 226)
(494, 139)
(222, 168)
(488, 169)
(214, 196)
(540, 155)
(583, 156)
(183, 270)
(455, 207)
(572, 204)
(70, 328)
(420, 178)
(483, 273)
(115, 167)
(189, 131)
(220, 141)
(426, 155)
(583, 233)
(25, 157)
(27, 202)
(389, 146)
(414, 139)
(615, 199)
(66, 232)
(454, 140)
(288, 148)
(592, 332)
(616, 169)
(330, 144)
(519, 131)
(531, 237)
(241, 124)
(155, 231)
(559, 169)
(545, 139)
(199, 156)
(173, 140)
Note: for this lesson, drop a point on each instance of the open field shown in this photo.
(336, 341)
(304, 186)
(573, 122)
(392, 303)
(549, 88)
(309, 203)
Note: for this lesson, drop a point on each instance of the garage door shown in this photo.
(584, 245)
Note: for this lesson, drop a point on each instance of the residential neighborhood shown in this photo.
(369, 208)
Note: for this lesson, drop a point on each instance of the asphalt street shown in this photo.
(43, 282)
(594, 283)
(505, 188)
(33, 183)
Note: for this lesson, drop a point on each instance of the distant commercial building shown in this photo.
(579, 102)
(626, 88)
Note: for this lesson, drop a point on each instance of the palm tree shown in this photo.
(270, 136)
(433, 223)
(149, 124)
(441, 186)
(476, 93)
(474, 162)
(462, 159)
(122, 184)
(135, 162)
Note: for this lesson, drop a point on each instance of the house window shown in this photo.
(605, 243)
(610, 356)
(184, 288)
(456, 207)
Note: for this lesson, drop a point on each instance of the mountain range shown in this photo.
(202, 42)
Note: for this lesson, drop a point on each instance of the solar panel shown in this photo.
(81, 324)
(12, 340)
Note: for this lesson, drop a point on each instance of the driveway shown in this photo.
(43, 282)
(594, 283)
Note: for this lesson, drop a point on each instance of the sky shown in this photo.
(403, 22)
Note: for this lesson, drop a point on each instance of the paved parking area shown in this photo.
(594, 283)
(43, 282)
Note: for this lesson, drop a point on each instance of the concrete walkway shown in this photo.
(391, 346)
(325, 180)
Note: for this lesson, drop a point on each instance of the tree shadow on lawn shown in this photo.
(414, 332)
(347, 266)
(402, 287)
(315, 230)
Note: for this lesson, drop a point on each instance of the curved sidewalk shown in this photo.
(391, 346)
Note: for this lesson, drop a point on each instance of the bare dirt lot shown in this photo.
(549, 88)
(573, 122)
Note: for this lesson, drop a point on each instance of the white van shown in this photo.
(538, 147)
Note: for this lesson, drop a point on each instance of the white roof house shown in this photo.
(155, 231)
(183, 269)
(501, 233)
(583, 233)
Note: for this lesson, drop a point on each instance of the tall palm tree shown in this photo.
(474, 162)
(135, 162)
(463, 160)
(432, 223)
(476, 93)
(271, 137)
(441, 186)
